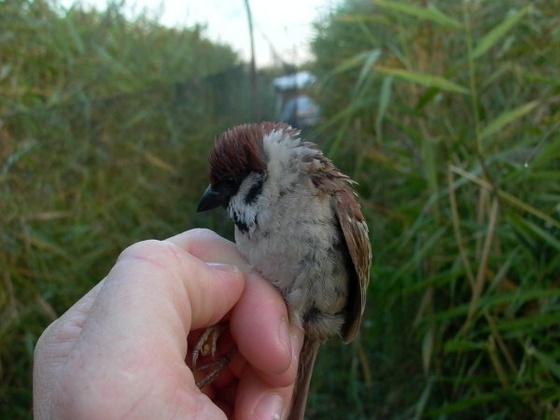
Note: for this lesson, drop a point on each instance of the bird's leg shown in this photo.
(207, 346)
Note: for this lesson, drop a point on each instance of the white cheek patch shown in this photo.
(244, 206)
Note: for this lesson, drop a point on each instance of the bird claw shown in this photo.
(207, 346)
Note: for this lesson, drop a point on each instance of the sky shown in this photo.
(285, 25)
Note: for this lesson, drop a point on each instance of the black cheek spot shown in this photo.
(254, 192)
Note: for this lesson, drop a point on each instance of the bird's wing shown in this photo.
(355, 232)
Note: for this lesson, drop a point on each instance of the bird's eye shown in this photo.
(230, 182)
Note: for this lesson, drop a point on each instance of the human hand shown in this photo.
(120, 350)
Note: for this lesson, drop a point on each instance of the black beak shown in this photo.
(211, 199)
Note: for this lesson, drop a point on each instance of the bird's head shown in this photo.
(242, 160)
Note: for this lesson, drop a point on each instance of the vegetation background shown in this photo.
(446, 113)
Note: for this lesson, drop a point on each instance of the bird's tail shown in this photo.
(305, 370)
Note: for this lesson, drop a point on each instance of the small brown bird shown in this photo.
(298, 223)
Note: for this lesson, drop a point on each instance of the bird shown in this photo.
(299, 225)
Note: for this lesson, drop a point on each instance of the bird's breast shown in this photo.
(302, 255)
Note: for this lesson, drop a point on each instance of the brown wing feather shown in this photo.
(355, 231)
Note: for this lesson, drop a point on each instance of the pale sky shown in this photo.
(286, 24)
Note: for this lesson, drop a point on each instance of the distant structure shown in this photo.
(294, 105)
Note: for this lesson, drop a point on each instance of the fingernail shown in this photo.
(271, 406)
(226, 268)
